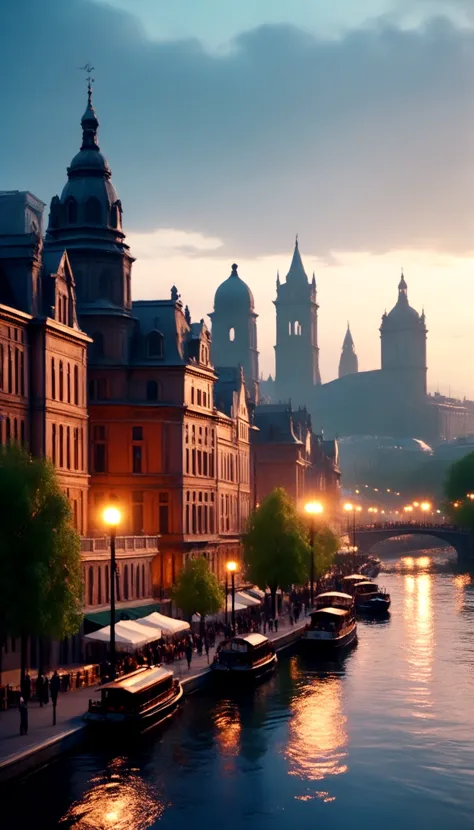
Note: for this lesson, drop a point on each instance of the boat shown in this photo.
(372, 567)
(331, 628)
(249, 657)
(137, 701)
(370, 599)
(333, 599)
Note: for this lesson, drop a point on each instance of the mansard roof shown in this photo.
(275, 424)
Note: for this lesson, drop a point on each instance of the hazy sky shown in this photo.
(230, 125)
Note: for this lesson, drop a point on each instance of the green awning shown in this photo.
(101, 618)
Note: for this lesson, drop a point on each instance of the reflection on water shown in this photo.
(419, 636)
(119, 799)
(317, 737)
(228, 728)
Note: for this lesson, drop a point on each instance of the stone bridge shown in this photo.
(461, 540)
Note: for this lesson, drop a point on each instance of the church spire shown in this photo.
(296, 274)
(89, 120)
(402, 289)
(348, 364)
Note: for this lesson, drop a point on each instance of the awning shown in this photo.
(255, 592)
(129, 635)
(246, 599)
(167, 624)
(100, 618)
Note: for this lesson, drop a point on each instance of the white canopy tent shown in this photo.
(245, 599)
(168, 625)
(256, 592)
(129, 635)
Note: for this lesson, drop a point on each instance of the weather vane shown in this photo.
(88, 68)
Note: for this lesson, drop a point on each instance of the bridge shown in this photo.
(366, 536)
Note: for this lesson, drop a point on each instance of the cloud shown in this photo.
(362, 143)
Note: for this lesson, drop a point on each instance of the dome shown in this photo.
(90, 160)
(402, 314)
(234, 294)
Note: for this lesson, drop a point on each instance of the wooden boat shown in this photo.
(334, 599)
(369, 599)
(137, 701)
(250, 657)
(330, 629)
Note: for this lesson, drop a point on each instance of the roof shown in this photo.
(355, 576)
(296, 272)
(233, 293)
(334, 612)
(139, 680)
(339, 594)
(275, 424)
(253, 639)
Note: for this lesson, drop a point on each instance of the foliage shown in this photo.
(40, 560)
(276, 550)
(197, 589)
(325, 548)
(459, 483)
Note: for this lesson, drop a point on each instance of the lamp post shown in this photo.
(226, 596)
(112, 519)
(352, 508)
(313, 509)
(231, 568)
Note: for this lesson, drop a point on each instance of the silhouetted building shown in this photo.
(348, 364)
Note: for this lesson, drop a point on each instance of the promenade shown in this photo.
(19, 753)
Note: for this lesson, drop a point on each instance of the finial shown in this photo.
(88, 68)
(278, 279)
(314, 280)
(296, 241)
(234, 269)
(187, 315)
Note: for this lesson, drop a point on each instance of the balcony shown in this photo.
(123, 544)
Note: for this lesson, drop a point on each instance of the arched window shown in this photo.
(232, 335)
(61, 380)
(93, 211)
(71, 211)
(76, 385)
(98, 344)
(91, 586)
(155, 344)
(152, 390)
(297, 328)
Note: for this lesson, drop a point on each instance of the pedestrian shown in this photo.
(26, 688)
(270, 624)
(189, 653)
(39, 689)
(23, 717)
(276, 625)
(54, 685)
(199, 645)
(206, 648)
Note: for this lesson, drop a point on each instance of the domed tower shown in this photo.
(348, 364)
(403, 339)
(296, 350)
(87, 220)
(234, 330)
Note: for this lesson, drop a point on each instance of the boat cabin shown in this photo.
(248, 650)
(365, 588)
(329, 619)
(135, 692)
(352, 579)
(334, 599)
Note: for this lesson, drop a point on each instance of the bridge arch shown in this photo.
(461, 540)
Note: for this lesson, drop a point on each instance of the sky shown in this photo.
(232, 125)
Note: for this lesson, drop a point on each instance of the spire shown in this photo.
(402, 289)
(296, 272)
(314, 280)
(348, 364)
(278, 280)
(89, 120)
(348, 341)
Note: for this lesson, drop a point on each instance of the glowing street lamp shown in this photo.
(313, 509)
(231, 568)
(112, 518)
(425, 506)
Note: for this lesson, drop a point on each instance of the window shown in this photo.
(136, 458)
(71, 211)
(125, 582)
(199, 397)
(137, 582)
(53, 443)
(68, 448)
(17, 371)
(192, 394)
(155, 344)
(152, 390)
(76, 385)
(22, 373)
(100, 463)
(137, 433)
(93, 211)
(232, 335)
(76, 448)
(61, 445)
(99, 576)
(15, 430)
(163, 512)
(1, 366)
(91, 586)
(69, 383)
(137, 512)
(61, 380)
(22, 432)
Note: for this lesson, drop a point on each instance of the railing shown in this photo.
(419, 526)
(101, 544)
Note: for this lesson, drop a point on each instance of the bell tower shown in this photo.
(296, 350)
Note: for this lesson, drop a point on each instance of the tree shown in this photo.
(458, 488)
(276, 550)
(40, 559)
(325, 547)
(197, 590)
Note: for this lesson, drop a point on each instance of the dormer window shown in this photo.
(71, 211)
(93, 211)
(155, 343)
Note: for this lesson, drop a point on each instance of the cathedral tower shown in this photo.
(296, 350)
(403, 340)
(87, 220)
(234, 331)
(348, 364)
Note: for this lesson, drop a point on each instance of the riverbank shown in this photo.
(20, 754)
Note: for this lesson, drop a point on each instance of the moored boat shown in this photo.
(370, 599)
(137, 701)
(331, 628)
(249, 657)
(334, 599)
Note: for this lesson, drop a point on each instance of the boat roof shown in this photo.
(354, 576)
(339, 594)
(336, 612)
(139, 680)
(367, 582)
(252, 639)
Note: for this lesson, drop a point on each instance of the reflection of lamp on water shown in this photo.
(353, 508)
(112, 518)
(231, 567)
(313, 509)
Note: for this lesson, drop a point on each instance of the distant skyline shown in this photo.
(229, 128)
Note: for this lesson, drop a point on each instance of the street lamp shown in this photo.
(231, 568)
(112, 518)
(313, 509)
(425, 506)
(353, 508)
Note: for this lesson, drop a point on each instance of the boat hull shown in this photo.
(244, 674)
(136, 723)
(312, 643)
(374, 607)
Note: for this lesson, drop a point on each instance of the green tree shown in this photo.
(40, 559)
(325, 547)
(276, 550)
(458, 487)
(197, 590)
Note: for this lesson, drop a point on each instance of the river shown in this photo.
(384, 737)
